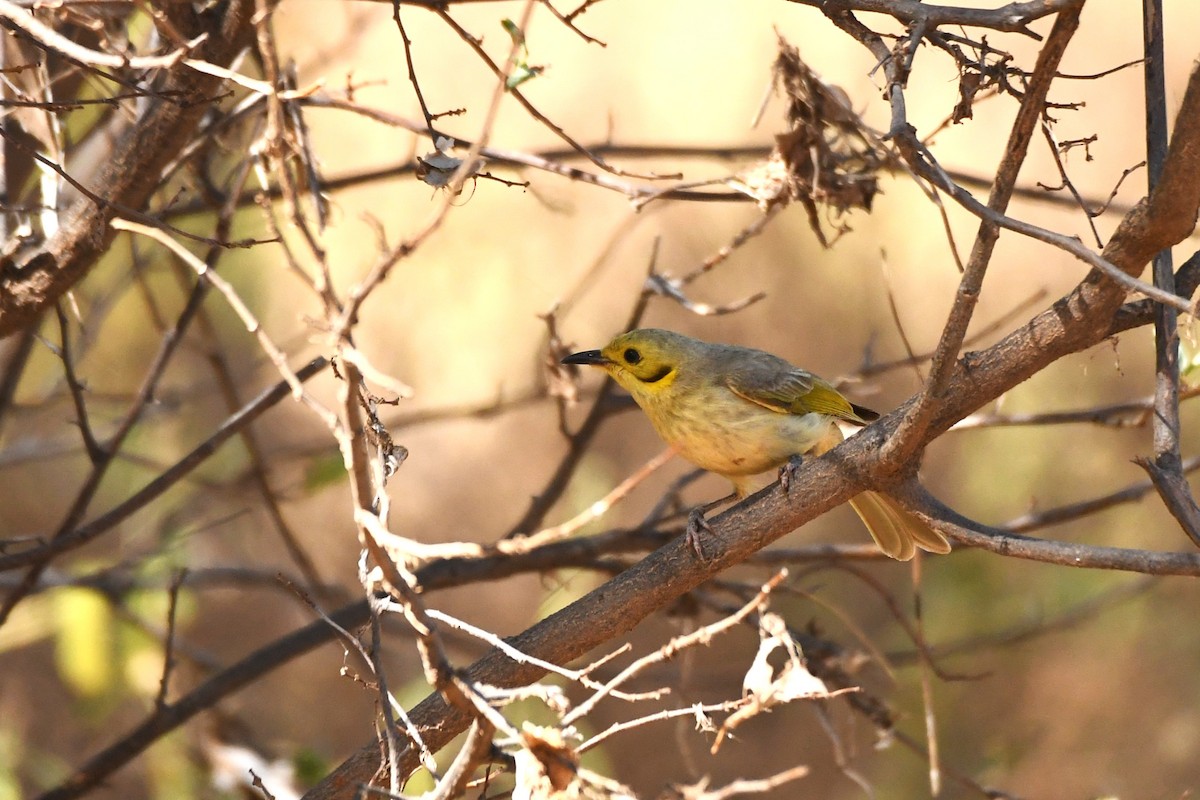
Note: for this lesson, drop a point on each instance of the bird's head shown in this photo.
(644, 362)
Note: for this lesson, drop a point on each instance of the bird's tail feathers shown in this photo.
(897, 532)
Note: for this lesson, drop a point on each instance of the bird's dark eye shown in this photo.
(632, 356)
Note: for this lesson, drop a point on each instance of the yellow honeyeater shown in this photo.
(737, 411)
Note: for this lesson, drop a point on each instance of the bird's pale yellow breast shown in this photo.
(719, 431)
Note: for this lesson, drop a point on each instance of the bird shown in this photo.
(738, 412)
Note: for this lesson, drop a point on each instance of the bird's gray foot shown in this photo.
(696, 523)
(787, 472)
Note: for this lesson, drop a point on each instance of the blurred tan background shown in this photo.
(1105, 707)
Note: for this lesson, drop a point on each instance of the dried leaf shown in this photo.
(827, 157)
(764, 688)
(546, 766)
(969, 84)
(437, 168)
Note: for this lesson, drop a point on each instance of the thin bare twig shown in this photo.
(742, 786)
(1066, 554)
(580, 676)
(593, 512)
(475, 751)
(669, 287)
(160, 700)
(170, 716)
(1166, 468)
(1021, 632)
(869, 368)
(502, 75)
(1117, 415)
(926, 666)
(901, 447)
(227, 384)
(1056, 153)
(41, 556)
(669, 650)
(277, 356)
(578, 442)
(100, 199)
(95, 452)
(1071, 511)
(379, 273)
(71, 538)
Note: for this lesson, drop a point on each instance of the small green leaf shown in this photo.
(518, 36)
(522, 73)
(1189, 360)
(323, 471)
(310, 766)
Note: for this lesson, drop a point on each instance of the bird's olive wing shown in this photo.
(788, 390)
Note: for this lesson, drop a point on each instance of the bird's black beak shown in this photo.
(592, 358)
